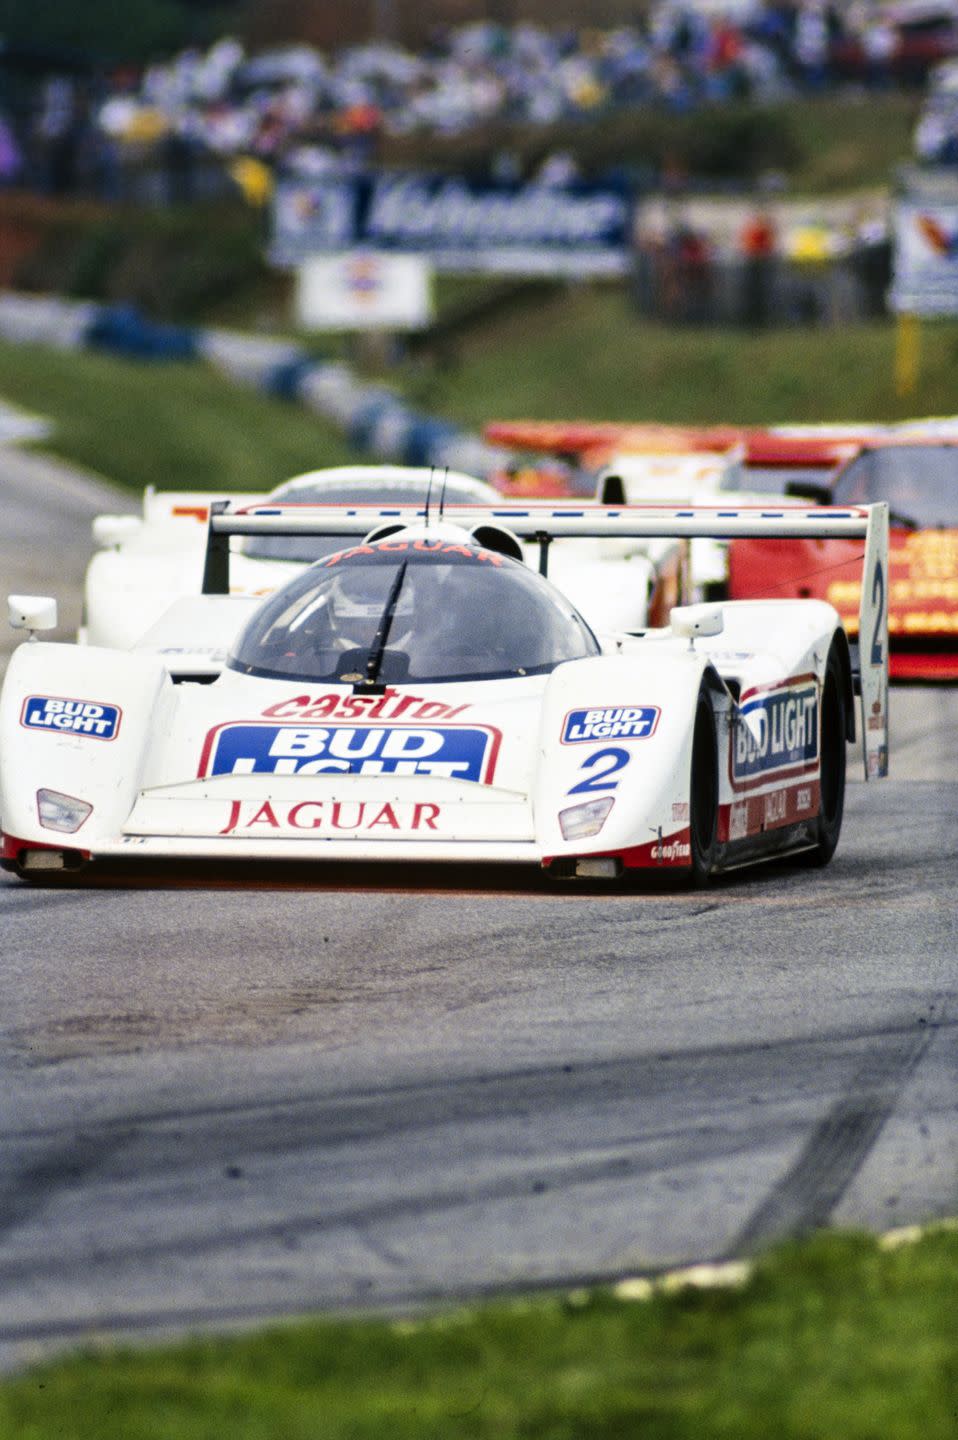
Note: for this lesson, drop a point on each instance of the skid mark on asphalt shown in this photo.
(807, 1194)
(68, 1165)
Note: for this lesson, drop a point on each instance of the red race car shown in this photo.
(919, 480)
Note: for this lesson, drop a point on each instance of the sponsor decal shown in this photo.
(680, 810)
(667, 850)
(622, 722)
(389, 706)
(768, 810)
(922, 588)
(776, 808)
(920, 622)
(457, 753)
(403, 547)
(334, 817)
(738, 821)
(787, 724)
(530, 228)
(92, 718)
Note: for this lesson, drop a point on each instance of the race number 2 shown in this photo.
(616, 760)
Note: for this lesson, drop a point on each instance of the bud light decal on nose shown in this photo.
(91, 718)
(450, 752)
(614, 722)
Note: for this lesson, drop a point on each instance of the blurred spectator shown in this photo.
(872, 261)
(56, 136)
(293, 106)
(758, 243)
(11, 156)
(695, 273)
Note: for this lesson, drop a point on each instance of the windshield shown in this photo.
(423, 610)
(773, 479)
(919, 482)
(307, 548)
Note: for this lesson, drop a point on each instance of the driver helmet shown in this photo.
(357, 600)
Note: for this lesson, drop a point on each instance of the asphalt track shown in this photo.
(225, 1101)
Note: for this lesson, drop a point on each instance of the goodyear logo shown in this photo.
(456, 753)
(77, 717)
(787, 726)
(622, 722)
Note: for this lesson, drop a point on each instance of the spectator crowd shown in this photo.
(310, 113)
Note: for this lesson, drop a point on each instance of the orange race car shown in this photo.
(771, 456)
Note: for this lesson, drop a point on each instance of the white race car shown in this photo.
(698, 477)
(425, 695)
(146, 563)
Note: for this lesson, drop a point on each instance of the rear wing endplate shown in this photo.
(546, 522)
(873, 644)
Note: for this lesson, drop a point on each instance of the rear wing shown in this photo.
(162, 506)
(546, 522)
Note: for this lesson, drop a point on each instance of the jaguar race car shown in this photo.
(424, 694)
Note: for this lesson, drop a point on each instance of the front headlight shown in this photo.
(61, 812)
(583, 820)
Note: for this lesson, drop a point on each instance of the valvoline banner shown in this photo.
(529, 229)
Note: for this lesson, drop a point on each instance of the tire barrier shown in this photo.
(373, 418)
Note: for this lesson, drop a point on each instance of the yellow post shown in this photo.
(907, 348)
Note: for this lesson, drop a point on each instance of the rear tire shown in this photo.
(704, 790)
(828, 826)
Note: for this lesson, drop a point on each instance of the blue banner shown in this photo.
(530, 229)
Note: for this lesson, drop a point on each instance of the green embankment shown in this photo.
(176, 426)
(832, 1339)
(579, 354)
(584, 353)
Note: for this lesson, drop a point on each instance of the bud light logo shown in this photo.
(619, 722)
(782, 732)
(456, 753)
(73, 717)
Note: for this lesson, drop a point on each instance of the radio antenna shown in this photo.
(442, 493)
(429, 492)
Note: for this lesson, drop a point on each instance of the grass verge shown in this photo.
(577, 353)
(583, 353)
(176, 426)
(831, 1337)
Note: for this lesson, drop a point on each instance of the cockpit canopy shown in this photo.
(412, 610)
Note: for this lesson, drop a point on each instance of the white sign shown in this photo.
(926, 259)
(360, 290)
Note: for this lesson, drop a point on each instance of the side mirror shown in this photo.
(32, 612)
(611, 490)
(809, 490)
(692, 622)
(109, 531)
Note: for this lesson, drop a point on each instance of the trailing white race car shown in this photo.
(425, 695)
(146, 563)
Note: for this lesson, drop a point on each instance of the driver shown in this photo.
(355, 603)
